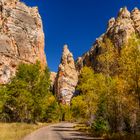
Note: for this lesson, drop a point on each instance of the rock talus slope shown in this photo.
(21, 37)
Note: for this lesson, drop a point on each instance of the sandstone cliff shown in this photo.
(67, 77)
(52, 79)
(21, 37)
(118, 31)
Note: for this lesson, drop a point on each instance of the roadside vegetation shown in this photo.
(25, 101)
(15, 131)
(109, 101)
(27, 98)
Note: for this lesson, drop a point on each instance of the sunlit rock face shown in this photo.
(119, 30)
(52, 79)
(67, 77)
(21, 37)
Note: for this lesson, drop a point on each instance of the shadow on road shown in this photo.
(74, 134)
(63, 130)
(62, 127)
(81, 137)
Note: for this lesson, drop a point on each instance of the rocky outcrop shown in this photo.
(21, 37)
(122, 28)
(119, 30)
(52, 78)
(67, 77)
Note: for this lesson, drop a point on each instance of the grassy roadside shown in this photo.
(83, 128)
(16, 131)
(110, 136)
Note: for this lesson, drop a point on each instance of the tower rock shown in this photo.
(21, 37)
(67, 77)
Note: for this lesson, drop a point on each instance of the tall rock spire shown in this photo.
(67, 77)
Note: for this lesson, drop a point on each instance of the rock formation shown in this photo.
(21, 37)
(52, 78)
(67, 77)
(119, 31)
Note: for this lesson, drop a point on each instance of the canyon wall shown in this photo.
(21, 37)
(119, 30)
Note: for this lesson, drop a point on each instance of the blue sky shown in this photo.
(76, 23)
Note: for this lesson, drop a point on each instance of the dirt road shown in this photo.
(61, 131)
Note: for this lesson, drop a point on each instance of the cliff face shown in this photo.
(118, 31)
(52, 79)
(21, 37)
(67, 77)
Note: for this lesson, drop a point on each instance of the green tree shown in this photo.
(108, 59)
(51, 111)
(26, 93)
(130, 65)
(88, 98)
(78, 107)
(130, 74)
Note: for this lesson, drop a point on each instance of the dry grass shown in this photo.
(16, 131)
